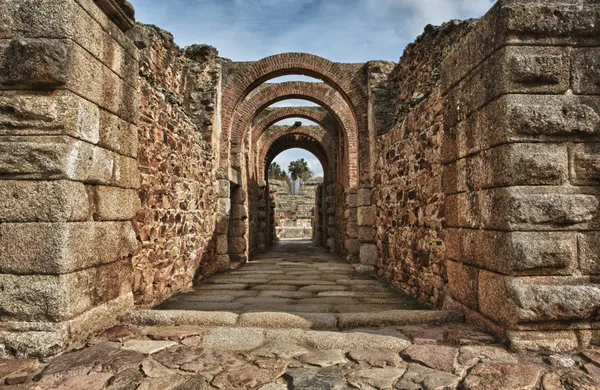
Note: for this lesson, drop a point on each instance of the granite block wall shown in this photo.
(68, 173)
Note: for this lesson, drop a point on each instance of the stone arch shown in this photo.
(277, 139)
(271, 116)
(341, 77)
(321, 94)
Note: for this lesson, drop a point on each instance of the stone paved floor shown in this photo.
(155, 356)
(296, 276)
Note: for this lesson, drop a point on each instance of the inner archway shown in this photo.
(294, 177)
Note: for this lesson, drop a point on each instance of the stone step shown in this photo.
(311, 320)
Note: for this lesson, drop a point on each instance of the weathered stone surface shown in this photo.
(249, 376)
(419, 377)
(463, 283)
(536, 298)
(233, 339)
(438, 357)
(103, 356)
(93, 381)
(374, 378)
(589, 258)
(56, 201)
(537, 209)
(504, 376)
(508, 252)
(17, 371)
(147, 347)
(59, 157)
(116, 204)
(63, 247)
(330, 378)
(379, 359)
(325, 358)
(574, 379)
(280, 349)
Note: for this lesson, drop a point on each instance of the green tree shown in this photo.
(276, 172)
(299, 171)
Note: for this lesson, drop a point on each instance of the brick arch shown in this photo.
(301, 141)
(321, 94)
(338, 76)
(277, 139)
(271, 116)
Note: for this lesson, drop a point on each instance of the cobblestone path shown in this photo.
(298, 318)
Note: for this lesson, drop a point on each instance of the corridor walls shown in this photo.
(178, 121)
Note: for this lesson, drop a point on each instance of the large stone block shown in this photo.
(512, 69)
(43, 201)
(65, 64)
(34, 62)
(586, 78)
(352, 246)
(64, 113)
(364, 197)
(112, 281)
(46, 297)
(237, 245)
(521, 164)
(61, 113)
(237, 228)
(517, 118)
(527, 22)
(116, 204)
(239, 211)
(463, 283)
(79, 20)
(223, 189)
(367, 234)
(511, 300)
(589, 252)
(454, 177)
(538, 208)
(58, 157)
(463, 210)
(62, 248)
(585, 164)
(118, 135)
(524, 252)
(368, 254)
(367, 216)
(222, 245)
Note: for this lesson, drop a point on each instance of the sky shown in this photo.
(350, 31)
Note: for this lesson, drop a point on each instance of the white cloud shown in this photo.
(340, 30)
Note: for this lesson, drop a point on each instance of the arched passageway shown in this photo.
(251, 139)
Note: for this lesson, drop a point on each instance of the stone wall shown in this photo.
(408, 192)
(295, 214)
(521, 173)
(68, 172)
(176, 224)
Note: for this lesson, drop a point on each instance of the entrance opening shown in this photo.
(295, 177)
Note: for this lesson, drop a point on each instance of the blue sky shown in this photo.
(339, 30)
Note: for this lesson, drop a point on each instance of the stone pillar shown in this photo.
(68, 171)
(263, 214)
(352, 245)
(522, 174)
(237, 239)
(366, 221)
(331, 231)
(222, 228)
